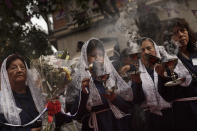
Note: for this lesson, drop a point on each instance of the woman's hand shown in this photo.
(124, 69)
(85, 85)
(160, 69)
(54, 107)
(110, 95)
(136, 78)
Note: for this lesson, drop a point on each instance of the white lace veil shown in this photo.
(94, 98)
(150, 87)
(7, 102)
(153, 99)
(180, 69)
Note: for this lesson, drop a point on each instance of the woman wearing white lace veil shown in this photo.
(20, 98)
(158, 112)
(97, 109)
(183, 97)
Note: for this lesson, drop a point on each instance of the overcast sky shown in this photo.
(40, 22)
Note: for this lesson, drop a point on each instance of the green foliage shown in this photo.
(29, 41)
(15, 37)
(30, 45)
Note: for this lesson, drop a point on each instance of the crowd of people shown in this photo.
(150, 90)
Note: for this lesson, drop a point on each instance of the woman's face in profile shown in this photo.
(181, 35)
(96, 55)
(16, 72)
(147, 47)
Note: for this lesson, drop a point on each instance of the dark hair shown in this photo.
(179, 22)
(13, 58)
(95, 44)
(79, 45)
(141, 40)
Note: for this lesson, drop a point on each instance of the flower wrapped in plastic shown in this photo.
(54, 75)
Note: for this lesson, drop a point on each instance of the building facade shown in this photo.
(67, 33)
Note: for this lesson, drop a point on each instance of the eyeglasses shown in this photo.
(17, 67)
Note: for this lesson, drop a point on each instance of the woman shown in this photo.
(184, 98)
(20, 100)
(98, 108)
(129, 64)
(158, 112)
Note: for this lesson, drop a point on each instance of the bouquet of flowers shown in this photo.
(54, 74)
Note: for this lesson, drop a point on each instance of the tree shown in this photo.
(15, 35)
(29, 41)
